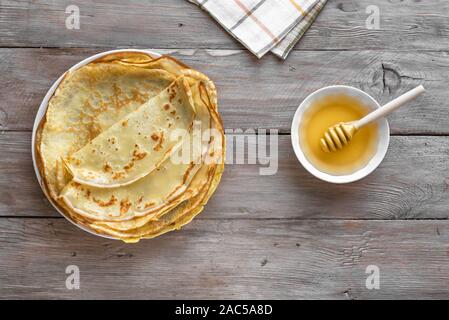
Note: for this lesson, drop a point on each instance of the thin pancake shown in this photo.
(152, 195)
(170, 65)
(86, 102)
(137, 144)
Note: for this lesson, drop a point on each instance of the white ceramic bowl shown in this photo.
(43, 108)
(382, 146)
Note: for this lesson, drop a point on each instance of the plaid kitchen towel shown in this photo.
(264, 25)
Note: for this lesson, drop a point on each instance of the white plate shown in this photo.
(43, 109)
(382, 145)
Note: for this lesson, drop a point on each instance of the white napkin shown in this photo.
(264, 25)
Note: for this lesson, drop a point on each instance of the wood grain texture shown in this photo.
(287, 235)
(253, 93)
(411, 183)
(404, 25)
(269, 259)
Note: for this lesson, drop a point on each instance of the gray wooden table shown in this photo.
(282, 236)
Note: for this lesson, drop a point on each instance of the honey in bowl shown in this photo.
(326, 112)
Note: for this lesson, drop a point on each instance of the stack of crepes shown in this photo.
(131, 146)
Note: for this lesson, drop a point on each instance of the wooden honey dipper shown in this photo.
(339, 135)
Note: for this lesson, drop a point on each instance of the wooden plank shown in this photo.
(256, 94)
(178, 24)
(411, 183)
(224, 259)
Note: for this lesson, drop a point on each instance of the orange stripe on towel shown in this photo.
(257, 21)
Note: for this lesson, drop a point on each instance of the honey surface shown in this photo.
(326, 112)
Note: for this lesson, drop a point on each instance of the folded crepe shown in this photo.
(137, 144)
(154, 193)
